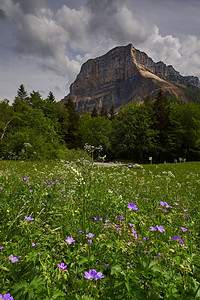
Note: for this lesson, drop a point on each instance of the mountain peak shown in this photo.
(124, 75)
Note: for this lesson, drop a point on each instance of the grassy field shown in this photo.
(77, 231)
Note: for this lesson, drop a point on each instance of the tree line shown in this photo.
(37, 128)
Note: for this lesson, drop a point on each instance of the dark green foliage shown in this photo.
(161, 125)
(70, 136)
(132, 135)
(94, 131)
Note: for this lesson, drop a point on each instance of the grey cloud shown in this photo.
(2, 14)
(30, 6)
(75, 23)
(113, 19)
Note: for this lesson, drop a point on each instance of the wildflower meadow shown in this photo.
(73, 230)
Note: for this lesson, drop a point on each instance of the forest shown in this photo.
(33, 128)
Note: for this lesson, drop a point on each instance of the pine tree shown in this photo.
(103, 112)
(112, 113)
(51, 97)
(94, 112)
(22, 94)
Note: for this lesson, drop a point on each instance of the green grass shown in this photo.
(75, 199)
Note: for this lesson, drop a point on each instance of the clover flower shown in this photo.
(132, 206)
(69, 240)
(13, 259)
(93, 274)
(28, 218)
(62, 266)
(6, 297)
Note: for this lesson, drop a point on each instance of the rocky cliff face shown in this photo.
(123, 75)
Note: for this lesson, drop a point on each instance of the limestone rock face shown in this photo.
(121, 76)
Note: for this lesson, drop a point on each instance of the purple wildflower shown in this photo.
(13, 259)
(132, 206)
(130, 224)
(90, 235)
(165, 204)
(69, 240)
(93, 274)
(159, 255)
(120, 217)
(62, 266)
(6, 297)
(186, 216)
(184, 229)
(152, 228)
(176, 203)
(135, 233)
(1, 248)
(116, 269)
(99, 275)
(178, 239)
(28, 218)
(90, 242)
(159, 228)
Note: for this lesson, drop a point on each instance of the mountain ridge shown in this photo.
(122, 75)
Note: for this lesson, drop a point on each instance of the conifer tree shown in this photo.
(111, 113)
(103, 112)
(51, 97)
(22, 94)
(94, 112)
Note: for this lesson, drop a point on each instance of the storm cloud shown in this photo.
(59, 38)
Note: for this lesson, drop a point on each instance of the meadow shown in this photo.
(72, 230)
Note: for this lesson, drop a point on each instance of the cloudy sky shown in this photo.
(43, 43)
